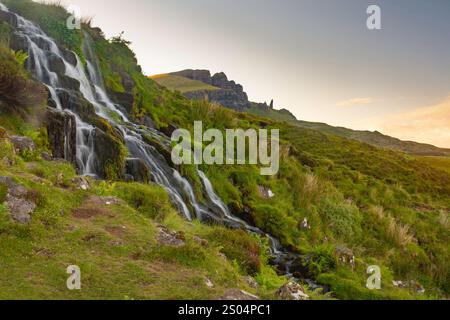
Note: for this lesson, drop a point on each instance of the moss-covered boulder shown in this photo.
(110, 155)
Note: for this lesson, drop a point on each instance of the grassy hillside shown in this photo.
(442, 163)
(376, 139)
(182, 84)
(385, 207)
(111, 232)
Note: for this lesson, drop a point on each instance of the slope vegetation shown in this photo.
(362, 206)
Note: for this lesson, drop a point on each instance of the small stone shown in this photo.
(170, 238)
(292, 291)
(305, 224)
(46, 156)
(200, 241)
(81, 183)
(209, 283)
(265, 193)
(251, 282)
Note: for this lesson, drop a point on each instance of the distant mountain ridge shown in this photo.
(200, 84)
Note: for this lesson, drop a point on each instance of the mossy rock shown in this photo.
(110, 155)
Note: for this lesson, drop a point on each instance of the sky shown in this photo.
(316, 58)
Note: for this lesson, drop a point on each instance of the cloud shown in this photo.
(429, 124)
(355, 102)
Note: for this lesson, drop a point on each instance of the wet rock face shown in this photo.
(18, 42)
(17, 200)
(68, 82)
(69, 56)
(62, 134)
(147, 121)
(56, 64)
(73, 101)
(137, 169)
(126, 100)
(9, 18)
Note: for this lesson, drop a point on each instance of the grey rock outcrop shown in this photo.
(17, 200)
(230, 94)
(198, 75)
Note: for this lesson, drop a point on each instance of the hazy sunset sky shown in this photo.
(314, 57)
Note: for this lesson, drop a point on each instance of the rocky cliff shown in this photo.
(230, 93)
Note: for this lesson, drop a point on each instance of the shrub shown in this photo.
(344, 220)
(149, 200)
(238, 245)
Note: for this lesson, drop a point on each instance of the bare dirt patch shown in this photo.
(93, 207)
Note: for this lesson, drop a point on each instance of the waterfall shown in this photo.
(181, 192)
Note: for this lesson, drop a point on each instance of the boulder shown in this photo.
(22, 144)
(62, 134)
(21, 209)
(292, 291)
(138, 170)
(17, 201)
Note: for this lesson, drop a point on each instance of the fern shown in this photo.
(20, 57)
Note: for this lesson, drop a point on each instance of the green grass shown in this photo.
(387, 207)
(115, 247)
(181, 84)
(441, 163)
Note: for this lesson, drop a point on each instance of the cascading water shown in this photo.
(40, 47)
